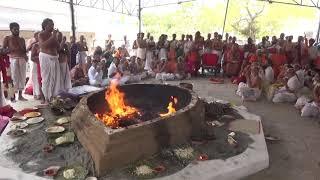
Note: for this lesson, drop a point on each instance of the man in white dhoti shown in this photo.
(142, 44)
(126, 44)
(288, 92)
(151, 46)
(64, 55)
(95, 75)
(34, 73)
(49, 62)
(163, 51)
(18, 58)
(82, 54)
(114, 73)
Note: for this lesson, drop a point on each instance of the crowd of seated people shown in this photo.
(283, 70)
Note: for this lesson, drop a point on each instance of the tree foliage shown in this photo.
(245, 18)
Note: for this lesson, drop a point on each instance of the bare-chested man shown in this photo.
(82, 54)
(135, 46)
(109, 43)
(208, 44)
(36, 75)
(64, 58)
(49, 62)
(142, 45)
(281, 40)
(18, 58)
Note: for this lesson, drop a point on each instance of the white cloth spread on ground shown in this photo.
(149, 60)
(247, 93)
(50, 74)
(283, 95)
(168, 76)
(34, 78)
(310, 110)
(95, 77)
(141, 53)
(65, 79)
(81, 57)
(163, 55)
(18, 72)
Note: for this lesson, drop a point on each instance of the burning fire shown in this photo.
(171, 108)
(118, 108)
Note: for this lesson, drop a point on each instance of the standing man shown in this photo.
(109, 43)
(142, 45)
(126, 44)
(73, 52)
(49, 62)
(82, 54)
(64, 55)
(18, 58)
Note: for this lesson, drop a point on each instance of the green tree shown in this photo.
(244, 19)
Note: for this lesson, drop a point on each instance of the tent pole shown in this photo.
(318, 33)
(73, 27)
(225, 17)
(139, 16)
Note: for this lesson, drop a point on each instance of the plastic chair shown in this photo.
(210, 61)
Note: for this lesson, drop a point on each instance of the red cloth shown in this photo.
(5, 69)
(4, 64)
(7, 111)
(317, 63)
(193, 64)
(209, 59)
(4, 120)
(29, 90)
(171, 67)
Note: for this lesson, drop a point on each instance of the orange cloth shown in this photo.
(255, 58)
(171, 67)
(172, 54)
(278, 60)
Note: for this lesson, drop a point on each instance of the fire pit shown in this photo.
(152, 117)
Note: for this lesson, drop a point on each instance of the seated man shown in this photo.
(95, 75)
(88, 63)
(181, 69)
(288, 92)
(114, 73)
(312, 109)
(268, 73)
(78, 77)
(140, 65)
(252, 89)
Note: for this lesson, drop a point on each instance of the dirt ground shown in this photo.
(294, 157)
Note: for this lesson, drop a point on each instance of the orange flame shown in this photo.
(117, 106)
(170, 107)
